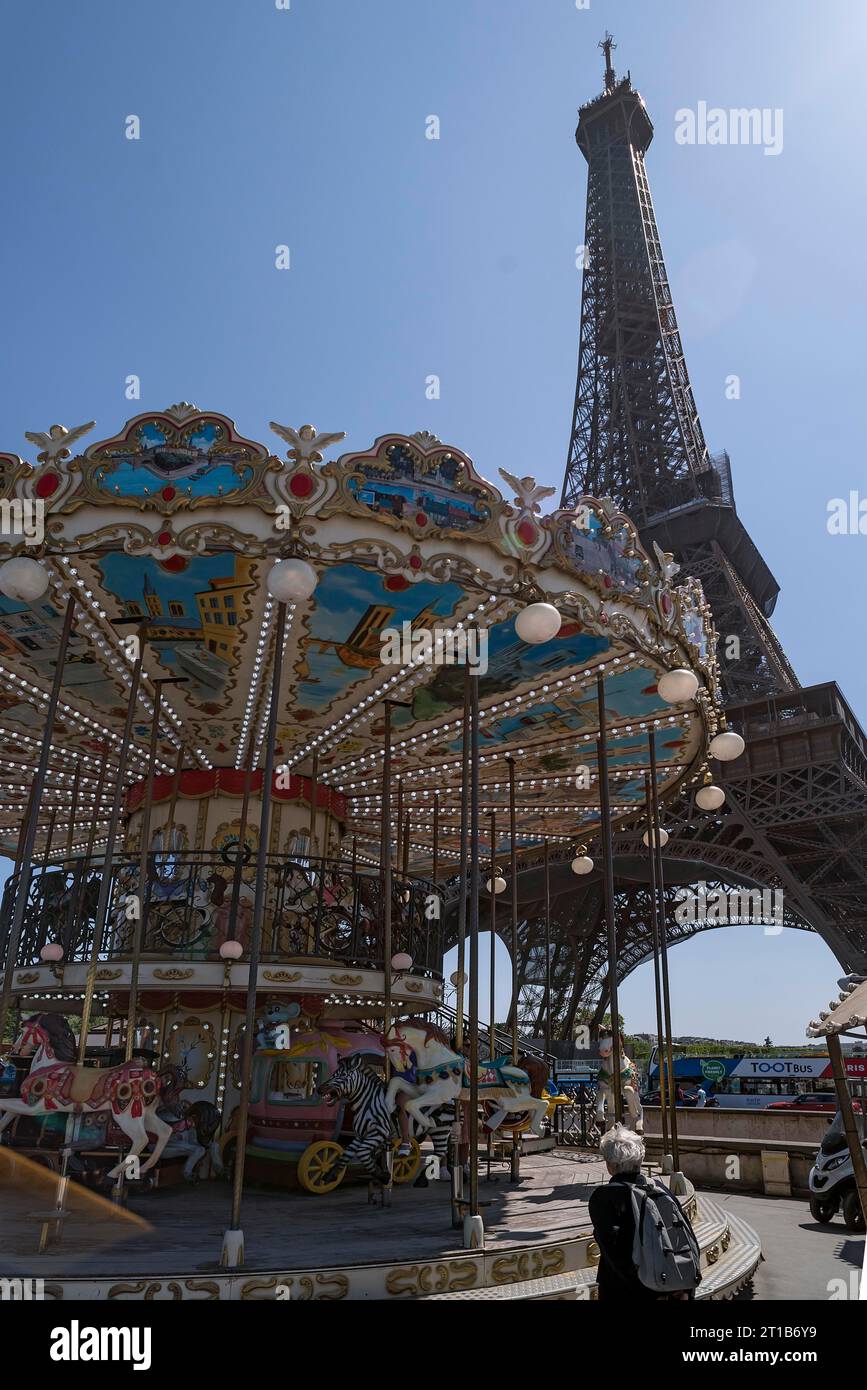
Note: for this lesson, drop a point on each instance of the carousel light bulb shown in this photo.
(726, 746)
(538, 622)
(678, 686)
(401, 961)
(459, 977)
(496, 885)
(231, 950)
(52, 951)
(663, 838)
(291, 579)
(582, 864)
(23, 579)
(710, 798)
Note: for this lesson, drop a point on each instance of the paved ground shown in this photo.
(801, 1257)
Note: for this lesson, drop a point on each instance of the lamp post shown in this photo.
(28, 836)
(473, 1229)
(608, 880)
(657, 982)
(656, 850)
(233, 1239)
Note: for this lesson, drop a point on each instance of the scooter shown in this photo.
(832, 1180)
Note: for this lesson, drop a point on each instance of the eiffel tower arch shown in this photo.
(795, 816)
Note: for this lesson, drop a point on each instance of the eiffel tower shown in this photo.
(796, 809)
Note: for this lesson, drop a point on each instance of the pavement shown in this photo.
(802, 1258)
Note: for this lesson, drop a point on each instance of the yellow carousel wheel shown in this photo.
(316, 1167)
(405, 1166)
(517, 1124)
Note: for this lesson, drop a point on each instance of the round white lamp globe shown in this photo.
(231, 950)
(497, 885)
(582, 864)
(401, 961)
(663, 838)
(676, 687)
(291, 580)
(726, 746)
(710, 798)
(52, 951)
(23, 579)
(539, 622)
(458, 978)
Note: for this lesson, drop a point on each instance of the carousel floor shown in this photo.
(181, 1227)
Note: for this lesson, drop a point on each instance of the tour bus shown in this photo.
(754, 1083)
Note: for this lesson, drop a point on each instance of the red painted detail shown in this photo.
(168, 493)
(527, 532)
(395, 583)
(301, 485)
(47, 484)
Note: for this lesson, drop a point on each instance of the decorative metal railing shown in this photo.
(192, 904)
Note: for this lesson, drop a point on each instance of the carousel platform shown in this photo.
(166, 1244)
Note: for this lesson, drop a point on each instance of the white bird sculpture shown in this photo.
(306, 444)
(55, 444)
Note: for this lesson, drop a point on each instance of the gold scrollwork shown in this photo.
(712, 1253)
(446, 1277)
(282, 977)
(528, 1264)
(346, 979)
(174, 974)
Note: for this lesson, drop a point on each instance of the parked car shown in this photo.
(824, 1101)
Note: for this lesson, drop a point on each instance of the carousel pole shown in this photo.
(93, 961)
(233, 1239)
(844, 1105)
(314, 793)
(515, 1168)
(462, 888)
(407, 825)
(398, 841)
(28, 837)
(73, 808)
(436, 837)
(231, 926)
(657, 982)
(492, 984)
(140, 924)
(385, 864)
(654, 838)
(547, 1034)
(474, 1235)
(608, 876)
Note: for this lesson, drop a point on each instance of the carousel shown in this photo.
(278, 728)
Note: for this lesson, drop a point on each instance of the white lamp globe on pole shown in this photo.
(23, 579)
(538, 622)
(726, 746)
(649, 838)
(582, 864)
(678, 686)
(291, 580)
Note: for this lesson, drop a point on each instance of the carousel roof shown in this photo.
(175, 523)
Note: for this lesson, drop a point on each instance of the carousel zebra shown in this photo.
(373, 1129)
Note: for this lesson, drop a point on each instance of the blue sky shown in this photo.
(456, 258)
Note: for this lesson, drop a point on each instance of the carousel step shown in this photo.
(580, 1284)
(726, 1276)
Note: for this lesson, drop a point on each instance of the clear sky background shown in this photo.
(412, 257)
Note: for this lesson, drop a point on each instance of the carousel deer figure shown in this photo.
(629, 1087)
(55, 1085)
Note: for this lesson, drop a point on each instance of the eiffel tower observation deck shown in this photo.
(795, 816)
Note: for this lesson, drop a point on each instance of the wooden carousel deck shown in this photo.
(175, 1235)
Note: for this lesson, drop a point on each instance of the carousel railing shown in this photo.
(194, 902)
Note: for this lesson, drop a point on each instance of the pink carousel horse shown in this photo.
(55, 1085)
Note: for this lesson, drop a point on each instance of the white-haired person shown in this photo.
(613, 1221)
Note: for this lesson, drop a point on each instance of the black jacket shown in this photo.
(614, 1232)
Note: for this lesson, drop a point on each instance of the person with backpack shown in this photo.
(647, 1246)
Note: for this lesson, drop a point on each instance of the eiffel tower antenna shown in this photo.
(607, 44)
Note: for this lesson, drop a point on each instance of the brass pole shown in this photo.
(28, 838)
(398, 857)
(90, 982)
(547, 1034)
(657, 982)
(436, 837)
(462, 888)
(663, 949)
(256, 933)
(73, 809)
(139, 929)
(474, 945)
(493, 897)
(608, 879)
(513, 853)
(314, 794)
(385, 863)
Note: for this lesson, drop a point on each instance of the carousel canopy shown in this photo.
(168, 531)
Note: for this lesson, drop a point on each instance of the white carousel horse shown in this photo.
(629, 1088)
(431, 1073)
(54, 1085)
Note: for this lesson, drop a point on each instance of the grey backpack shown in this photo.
(665, 1251)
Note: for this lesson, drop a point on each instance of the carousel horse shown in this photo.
(194, 1124)
(629, 1088)
(54, 1084)
(428, 1070)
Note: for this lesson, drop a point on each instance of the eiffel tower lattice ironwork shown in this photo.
(796, 809)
